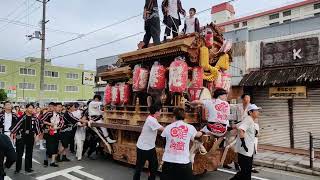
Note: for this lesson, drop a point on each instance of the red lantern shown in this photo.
(124, 91)
(107, 94)
(157, 78)
(140, 78)
(178, 75)
(115, 95)
(197, 77)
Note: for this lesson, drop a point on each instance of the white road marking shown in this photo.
(65, 173)
(232, 172)
(7, 178)
(33, 160)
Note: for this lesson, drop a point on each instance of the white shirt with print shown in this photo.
(178, 136)
(7, 121)
(248, 126)
(148, 136)
(173, 9)
(219, 110)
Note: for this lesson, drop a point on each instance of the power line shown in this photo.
(15, 10)
(94, 31)
(95, 47)
(19, 23)
(2, 28)
(80, 35)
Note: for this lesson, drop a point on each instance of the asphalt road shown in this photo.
(106, 169)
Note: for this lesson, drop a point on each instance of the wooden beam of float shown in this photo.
(178, 45)
(116, 74)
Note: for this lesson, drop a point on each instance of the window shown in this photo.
(2, 85)
(317, 14)
(27, 86)
(2, 68)
(275, 23)
(72, 76)
(27, 71)
(72, 89)
(316, 6)
(286, 13)
(287, 20)
(236, 25)
(50, 87)
(244, 23)
(274, 16)
(51, 74)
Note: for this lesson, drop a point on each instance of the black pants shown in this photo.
(72, 140)
(245, 163)
(27, 141)
(152, 28)
(142, 157)
(10, 155)
(174, 171)
(2, 173)
(91, 142)
(172, 24)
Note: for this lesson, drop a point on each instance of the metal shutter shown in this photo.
(274, 119)
(306, 118)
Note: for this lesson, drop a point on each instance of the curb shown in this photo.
(285, 167)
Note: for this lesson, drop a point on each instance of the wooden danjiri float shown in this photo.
(186, 68)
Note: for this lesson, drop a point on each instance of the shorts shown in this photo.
(66, 138)
(52, 144)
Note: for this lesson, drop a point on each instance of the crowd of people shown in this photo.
(56, 128)
(177, 161)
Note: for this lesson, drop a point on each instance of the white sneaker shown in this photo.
(111, 141)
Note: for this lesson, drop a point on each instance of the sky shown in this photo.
(72, 18)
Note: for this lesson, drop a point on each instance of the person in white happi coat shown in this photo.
(242, 113)
(80, 135)
(96, 115)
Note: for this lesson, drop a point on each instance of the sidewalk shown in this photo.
(287, 162)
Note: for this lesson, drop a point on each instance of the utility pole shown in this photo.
(43, 49)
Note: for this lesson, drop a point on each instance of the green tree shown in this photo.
(3, 95)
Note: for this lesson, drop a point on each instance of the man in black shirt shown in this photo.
(26, 130)
(53, 122)
(6, 150)
(151, 22)
(66, 132)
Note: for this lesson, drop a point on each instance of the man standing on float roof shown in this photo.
(151, 23)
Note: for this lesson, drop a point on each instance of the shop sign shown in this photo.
(12, 92)
(290, 92)
(88, 78)
(289, 53)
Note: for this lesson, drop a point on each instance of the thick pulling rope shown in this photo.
(102, 138)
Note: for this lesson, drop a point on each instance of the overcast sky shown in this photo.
(82, 16)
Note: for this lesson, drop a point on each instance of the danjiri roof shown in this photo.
(282, 76)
